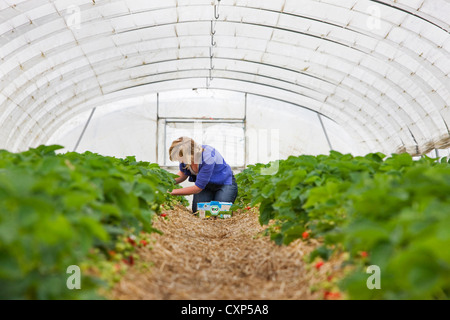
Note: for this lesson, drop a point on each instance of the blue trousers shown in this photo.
(216, 192)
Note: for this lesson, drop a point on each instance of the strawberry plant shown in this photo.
(55, 208)
(388, 211)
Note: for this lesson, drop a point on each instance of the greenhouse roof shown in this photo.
(378, 68)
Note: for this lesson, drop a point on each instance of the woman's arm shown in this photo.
(186, 191)
(181, 177)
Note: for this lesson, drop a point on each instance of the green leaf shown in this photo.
(78, 199)
(266, 214)
(292, 234)
(323, 252)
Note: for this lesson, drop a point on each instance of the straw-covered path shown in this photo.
(219, 259)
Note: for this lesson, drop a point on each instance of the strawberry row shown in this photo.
(61, 210)
(389, 212)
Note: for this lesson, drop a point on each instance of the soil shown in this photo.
(215, 259)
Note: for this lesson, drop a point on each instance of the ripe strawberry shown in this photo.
(163, 215)
(129, 261)
(131, 241)
(336, 295)
(248, 208)
(305, 235)
(364, 254)
(143, 242)
(319, 264)
(331, 295)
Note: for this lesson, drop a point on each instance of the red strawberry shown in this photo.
(331, 295)
(131, 241)
(305, 235)
(336, 295)
(248, 208)
(143, 242)
(319, 264)
(129, 261)
(163, 215)
(364, 254)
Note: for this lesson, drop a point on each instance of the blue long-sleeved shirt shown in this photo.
(212, 169)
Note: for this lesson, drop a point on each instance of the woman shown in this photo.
(204, 165)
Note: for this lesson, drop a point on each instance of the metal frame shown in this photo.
(194, 120)
(84, 129)
(325, 132)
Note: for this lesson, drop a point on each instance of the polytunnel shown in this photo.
(349, 99)
(110, 76)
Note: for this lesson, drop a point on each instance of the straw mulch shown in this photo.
(219, 259)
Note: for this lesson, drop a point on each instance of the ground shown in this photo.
(218, 259)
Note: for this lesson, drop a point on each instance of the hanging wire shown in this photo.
(213, 43)
(216, 10)
(213, 31)
(216, 14)
(211, 67)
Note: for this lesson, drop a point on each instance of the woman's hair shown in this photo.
(186, 150)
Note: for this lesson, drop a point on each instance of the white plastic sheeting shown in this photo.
(120, 129)
(241, 129)
(378, 69)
